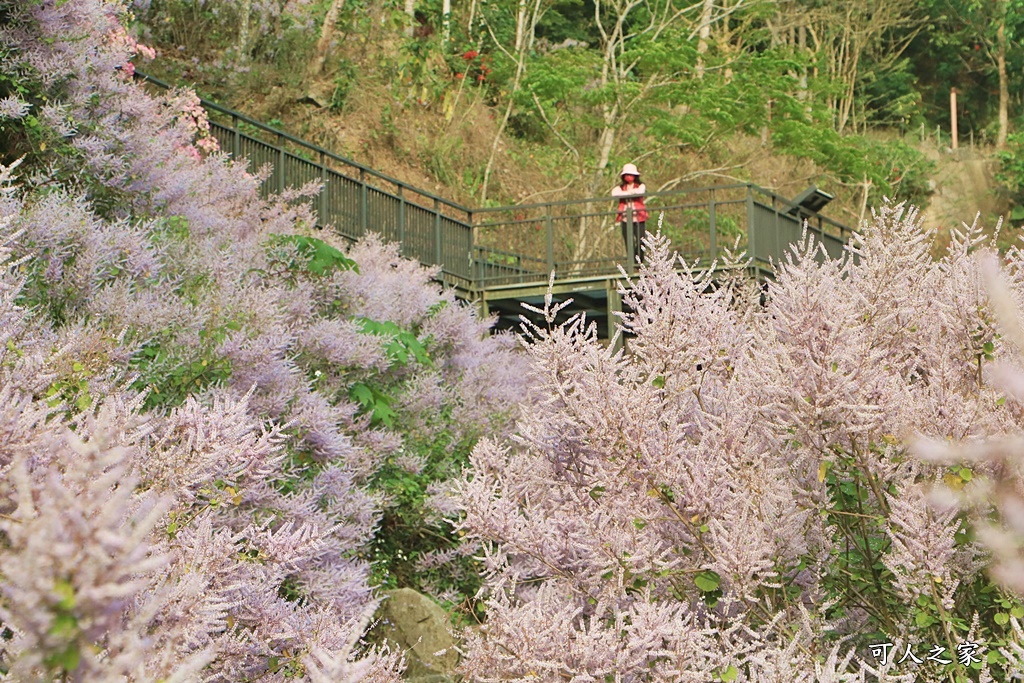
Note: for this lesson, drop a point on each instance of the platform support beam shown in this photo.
(614, 306)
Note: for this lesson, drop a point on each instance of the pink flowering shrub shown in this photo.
(195, 411)
(734, 499)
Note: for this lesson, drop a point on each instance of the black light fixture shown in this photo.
(811, 200)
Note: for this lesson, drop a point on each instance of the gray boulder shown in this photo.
(415, 625)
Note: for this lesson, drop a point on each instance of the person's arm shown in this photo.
(617, 191)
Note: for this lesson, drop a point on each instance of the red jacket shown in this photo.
(632, 198)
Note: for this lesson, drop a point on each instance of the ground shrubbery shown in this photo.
(219, 431)
(204, 403)
(742, 496)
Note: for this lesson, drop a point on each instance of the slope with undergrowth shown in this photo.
(461, 118)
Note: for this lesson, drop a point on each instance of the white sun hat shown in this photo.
(629, 169)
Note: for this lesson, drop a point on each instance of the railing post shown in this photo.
(549, 244)
(437, 231)
(362, 201)
(401, 221)
(479, 263)
(614, 306)
(751, 242)
(714, 227)
(775, 250)
(323, 204)
(630, 242)
(280, 163)
(472, 241)
(236, 143)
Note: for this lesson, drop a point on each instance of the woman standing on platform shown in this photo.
(631, 206)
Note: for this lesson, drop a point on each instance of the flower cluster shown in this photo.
(186, 438)
(735, 494)
(191, 116)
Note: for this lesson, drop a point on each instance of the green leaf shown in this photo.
(383, 414)
(66, 592)
(924, 620)
(419, 352)
(77, 367)
(639, 524)
(729, 675)
(707, 581)
(68, 659)
(361, 393)
(965, 474)
(327, 258)
(659, 381)
(1017, 612)
(1002, 618)
(63, 626)
(83, 401)
(396, 351)
(323, 258)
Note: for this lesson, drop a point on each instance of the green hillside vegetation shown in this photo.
(501, 102)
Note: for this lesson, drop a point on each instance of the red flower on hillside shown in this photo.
(470, 55)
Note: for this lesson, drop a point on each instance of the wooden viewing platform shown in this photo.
(499, 258)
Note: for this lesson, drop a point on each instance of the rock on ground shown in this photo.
(414, 624)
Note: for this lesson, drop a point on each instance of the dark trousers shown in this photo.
(639, 230)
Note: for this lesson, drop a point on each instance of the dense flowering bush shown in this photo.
(736, 499)
(197, 392)
(212, 418)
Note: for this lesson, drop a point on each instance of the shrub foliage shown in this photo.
(220, 431)
(197, 395)
(735, 498)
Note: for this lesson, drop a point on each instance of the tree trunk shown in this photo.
(410, 11)
(1004, 89)
(446, 23)
(703, 33)
(316, 64)
(847, 100)
(864, 201)
(526, 28)
(243, 30)
(802, 88)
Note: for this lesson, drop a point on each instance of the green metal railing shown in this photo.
(581, 238)
(355, 199)
(480, 248)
